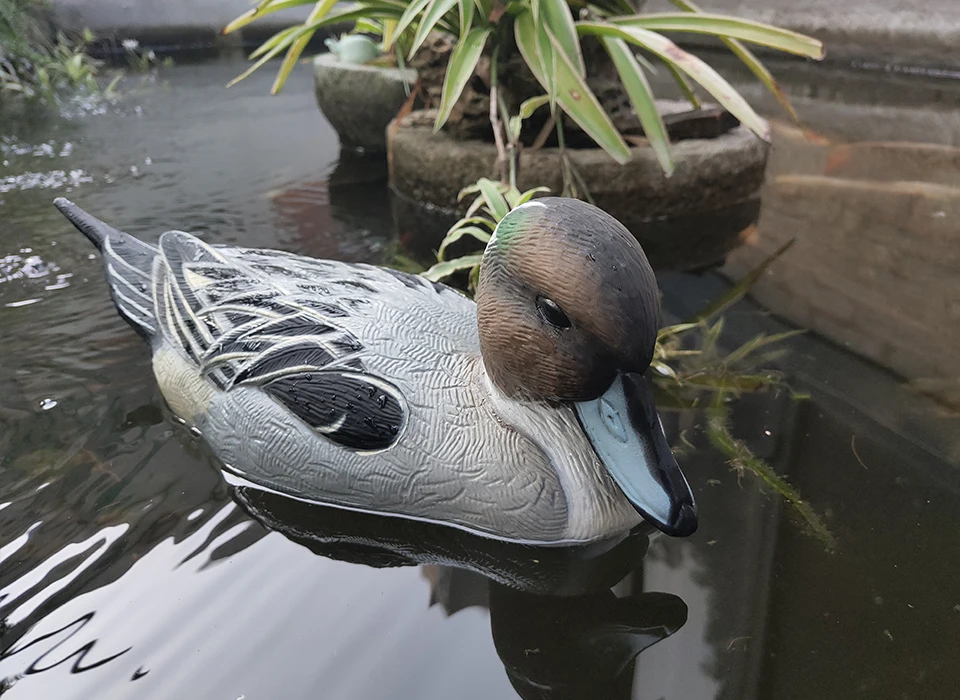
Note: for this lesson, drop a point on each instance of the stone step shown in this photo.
(876, 267)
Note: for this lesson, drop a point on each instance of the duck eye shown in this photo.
(551, 313)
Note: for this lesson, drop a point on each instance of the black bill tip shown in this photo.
(684, 522)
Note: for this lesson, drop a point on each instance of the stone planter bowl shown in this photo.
(360, 100)
(686, 222)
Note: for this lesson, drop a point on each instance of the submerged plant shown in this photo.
(547, 35)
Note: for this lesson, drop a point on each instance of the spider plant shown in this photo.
(548, 35)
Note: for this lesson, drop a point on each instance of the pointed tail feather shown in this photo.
(129, 266)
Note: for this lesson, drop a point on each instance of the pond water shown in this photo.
(129, 567)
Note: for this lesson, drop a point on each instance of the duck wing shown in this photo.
(246, 318)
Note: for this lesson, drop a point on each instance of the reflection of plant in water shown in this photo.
(690, 369)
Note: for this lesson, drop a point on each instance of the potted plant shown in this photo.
(664, 169)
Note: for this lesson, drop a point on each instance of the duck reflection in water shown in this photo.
(567, 622)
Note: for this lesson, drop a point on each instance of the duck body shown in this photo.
(355, 386)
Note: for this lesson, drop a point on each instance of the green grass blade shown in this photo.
(435, 10)
(529, 194)
(301, 30)
(457, 234)
(531, 105)
(463, 61)
(699, 71)
(466, 16)
(262, 10)
(764, 75)
(525, 32)
(641, 97)
(273, 41)
(389, 32)
(740, 289)
(414, 10)
(493, 198)
(684, 86)
(320, 10)
(555, 15)
(272, 53)
(725, 26)
(448, 267)
(579, 102)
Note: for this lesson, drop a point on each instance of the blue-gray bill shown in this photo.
(625, 430)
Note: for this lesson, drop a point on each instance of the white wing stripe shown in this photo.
(116, 276)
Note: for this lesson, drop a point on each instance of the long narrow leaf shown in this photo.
(641, 97)
(466, 16)
(389, 32)
(575, 97)
(555, 15)
(525, 32)
(299, 31)
(531, 105)
(702, 73)
(262, 10)
(320, 10)
(414, 10)
(273, 41)
(684, 86)
(740, 289)
(579, 102)
(530, 194)
(724, 26)
(456, 235)
(485, 7)
(448, 267)
(463, 61)
(494, 200)
(435, 10)
(763, 74)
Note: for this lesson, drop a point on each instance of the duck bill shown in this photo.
(626, 433)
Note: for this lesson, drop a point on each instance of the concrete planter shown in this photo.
(688, 221)
(359, 100)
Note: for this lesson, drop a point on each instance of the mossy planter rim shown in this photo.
(687, 221)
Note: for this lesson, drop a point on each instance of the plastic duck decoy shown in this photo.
(524, 417)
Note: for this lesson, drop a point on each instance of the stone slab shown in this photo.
(876, 264)
(879, 32)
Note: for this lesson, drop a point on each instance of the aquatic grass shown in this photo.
(742, 459)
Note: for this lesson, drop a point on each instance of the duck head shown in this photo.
(568, 311)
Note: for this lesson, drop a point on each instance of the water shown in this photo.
(130, 568)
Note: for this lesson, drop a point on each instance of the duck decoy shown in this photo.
(523, 417)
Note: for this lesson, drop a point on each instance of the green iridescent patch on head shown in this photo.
(511, 228)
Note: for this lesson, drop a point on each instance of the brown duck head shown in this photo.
(568, 310)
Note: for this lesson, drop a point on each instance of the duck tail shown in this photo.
(129, 266)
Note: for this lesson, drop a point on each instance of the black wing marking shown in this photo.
(258, 319)
(288, 358)
(352, 409)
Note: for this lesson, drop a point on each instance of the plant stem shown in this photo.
(495, 117)
(513, 143)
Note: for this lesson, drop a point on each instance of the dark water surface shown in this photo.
(130, 569)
